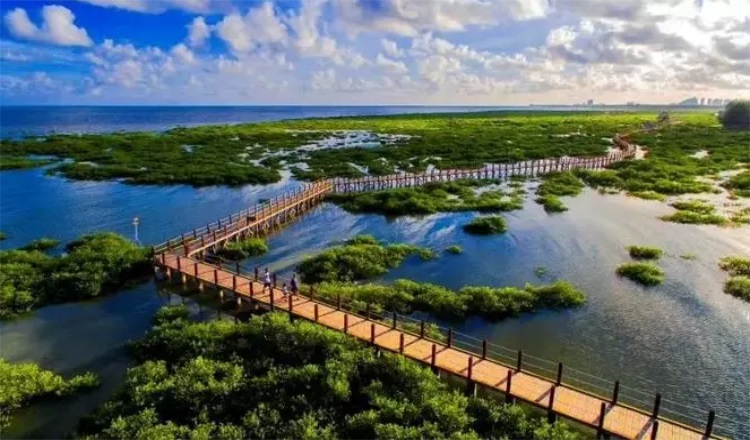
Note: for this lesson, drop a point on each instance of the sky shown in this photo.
(372, 52)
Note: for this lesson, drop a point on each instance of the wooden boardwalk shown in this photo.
(478, 368)
(183, 257)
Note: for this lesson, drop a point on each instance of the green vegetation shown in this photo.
(41, 245)
(689, 256)
(19, 163)
(555, 185)
(269, 378)
(695, 212)
(736, 115)
(648, 195)
(735, 265)
(254, 153)
(94, 265)
(3, 236)
(245, 248)
(360, 258)
(406, 296)
(645, 252)
(647, 274)
(739, 184)
(738, 286)
(22, 384)
(454, 249)
(487, 225)
(461, 195)
(551, 203)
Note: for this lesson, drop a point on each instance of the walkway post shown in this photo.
(450, 337)
(401, 343)
(372, 334)
(273, 307)
(395, 317)
(433, 359)
(256, 273)
(710, 423)
(316, 313)
(484, 348)
(654, 429)
(237, 267)
(421, 329)
(195, 269)
(346, 323)
(559, 372)
(600, 426)
(290, 306)
(657, 404)
(470, 367)
(518, 362)
(616, 393)
(508, 379)
(234, 283)
(550, 408)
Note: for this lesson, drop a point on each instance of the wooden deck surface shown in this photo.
(571, 403)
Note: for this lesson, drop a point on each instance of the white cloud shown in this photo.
(390, 65)
(198, 32)
(260, 25)
(409, 17)
(183, 54)
(391, 48)
(154, 6)
(57, 28)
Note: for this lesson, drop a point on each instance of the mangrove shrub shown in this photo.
(486, 225)
(269, 378)
(736, 115)
(647, 274)
(645, 252)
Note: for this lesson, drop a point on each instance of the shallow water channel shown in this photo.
(685, 339)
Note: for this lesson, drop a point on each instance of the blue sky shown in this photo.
(484, 52)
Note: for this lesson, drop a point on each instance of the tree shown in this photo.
(736, 115)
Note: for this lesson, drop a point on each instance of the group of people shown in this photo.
(285, 290)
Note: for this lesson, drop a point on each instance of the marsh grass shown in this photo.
(487, 225)
(648, 195)
(647, 274)
(551, 203)
(406, 296)
(645, 252)
(432, 198)
(738, 286)
(245, 248)
(695, 212)
(454, 249)
(735, 265)
(360, 258)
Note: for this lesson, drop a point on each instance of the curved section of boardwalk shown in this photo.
(183, 256)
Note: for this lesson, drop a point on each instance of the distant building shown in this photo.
(590, 102)
(690, 101)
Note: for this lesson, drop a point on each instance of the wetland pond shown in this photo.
(685, 338)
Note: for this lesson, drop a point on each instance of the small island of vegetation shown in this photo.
(647, 274)
(738, 283)
(556, 185)
(93, 265)
(454, 249)
(645, 252)
(243, 249)
(487, 225)
(24, 383)
(362, 257)
(269, 378)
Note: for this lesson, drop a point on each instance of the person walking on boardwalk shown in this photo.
(284, 290)
(267, 281)
(294, 284)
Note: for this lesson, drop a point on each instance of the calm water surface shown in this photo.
(685, 339)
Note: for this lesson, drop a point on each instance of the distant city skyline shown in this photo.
(374, 52)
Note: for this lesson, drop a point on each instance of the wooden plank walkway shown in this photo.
(567, 401)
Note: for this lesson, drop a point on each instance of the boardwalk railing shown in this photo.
(233, 226)
(608, 407)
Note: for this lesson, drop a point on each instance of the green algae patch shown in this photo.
(735, 265)
(487, 225)
(454, 249)
(738, 286)
(647, 274)
(695, 212)
(645, 252)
